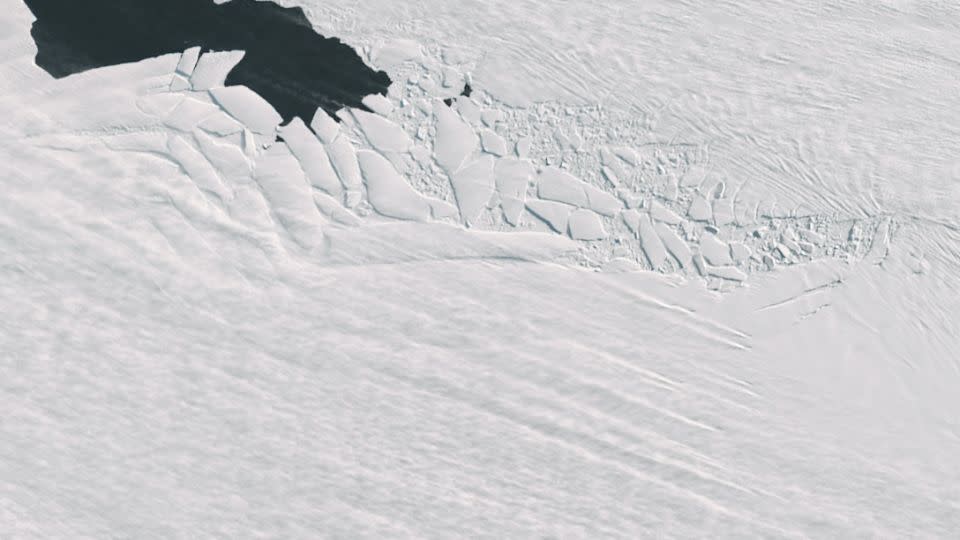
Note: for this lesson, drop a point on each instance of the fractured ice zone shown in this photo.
(456, 276)
(656, 205)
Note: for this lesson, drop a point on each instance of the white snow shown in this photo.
(197, 340)
(396, 52)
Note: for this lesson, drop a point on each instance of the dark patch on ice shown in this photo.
(286, 61)
(465, 93)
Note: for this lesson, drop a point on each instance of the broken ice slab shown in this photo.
(715, 251)
(627, 154)
(179, 83)
(723, 212)
(739, 252)
(700, 209)
(378, 104)
(197, 167)
(312, 156)
(343, 156)
(586, 225)
(730, 273)
(651, 243)
(472, 186)
(228, 159)
(492, 143)
(610, 160)
(189, 113)
(699, 264)
(674, 244)
(811, 236)
(554, 214)
(523, 147)
(324, 126)
(455, 140)
(490, 117)
(631, 218)
(188, 61)
(602, 202)
(558, 185)
(383, 134)
(630, 198)
(248, 108)
(452, 78)
(610, 176)
(512, 178)
(389, 193)
(159, 104)
(281, 181)
(469, 110)
(333, 210)
(220, 124)
(213, 67)
(660, 212)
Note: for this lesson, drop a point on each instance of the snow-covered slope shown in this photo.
(524, 315)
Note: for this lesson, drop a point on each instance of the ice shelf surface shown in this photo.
(676, 270)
